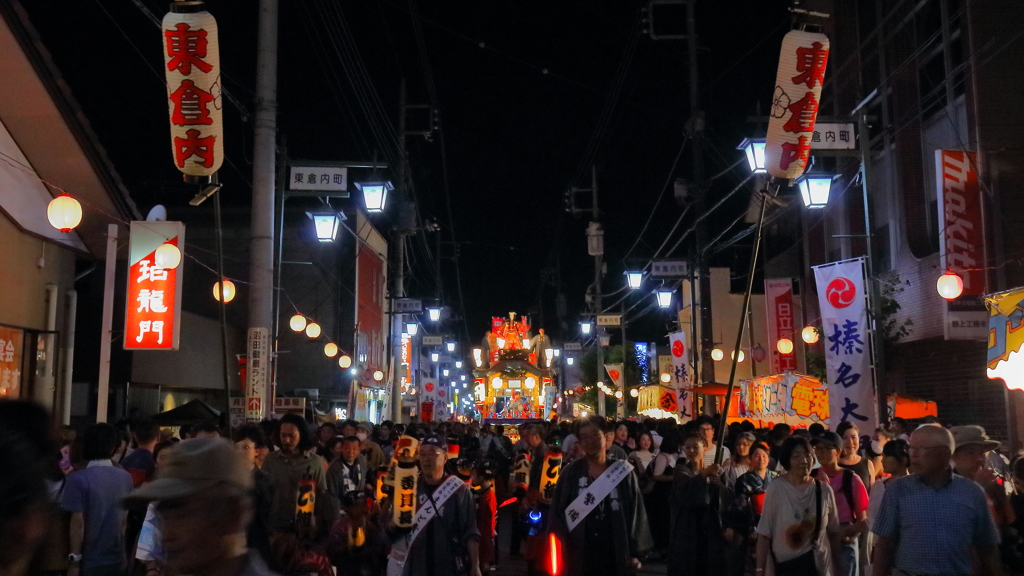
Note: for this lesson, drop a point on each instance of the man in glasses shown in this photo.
(934, 521)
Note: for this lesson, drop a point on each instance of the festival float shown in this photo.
(513, 380)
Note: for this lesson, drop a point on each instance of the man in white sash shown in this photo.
(597, 511)
(444, 540)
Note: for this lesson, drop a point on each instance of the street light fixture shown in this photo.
(815, 188)
(458, 364)
(585, 327)
(570, 360)
(434, 314)
(411, 328)
(375, 194)
(326, 222)
(450, 346)
(434, 356)
(634, 279)
(754, 149)
(664, 298)
(605, 339)
(445, 372)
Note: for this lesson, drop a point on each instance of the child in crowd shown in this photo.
(486, 512)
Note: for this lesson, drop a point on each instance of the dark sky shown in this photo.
(522, 88)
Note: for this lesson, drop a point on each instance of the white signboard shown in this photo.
(670, 268)
(843, 302)
(433, 340)
(833, 137)
(572, 347)
(257, 364)
(322, 178)
(609, 319)
(408, 305)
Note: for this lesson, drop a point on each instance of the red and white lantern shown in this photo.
(795, 103)
(192, 68)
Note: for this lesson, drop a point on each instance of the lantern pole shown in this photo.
(743, 322)
(106, 330)
(261, 243)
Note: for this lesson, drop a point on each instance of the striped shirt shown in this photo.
(934, 530)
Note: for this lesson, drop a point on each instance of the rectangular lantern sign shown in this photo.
(152, 308)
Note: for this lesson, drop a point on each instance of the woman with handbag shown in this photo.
(799, 527)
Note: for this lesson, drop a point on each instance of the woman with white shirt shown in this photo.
(645, 449)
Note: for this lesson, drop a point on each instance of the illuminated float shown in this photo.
(512, 375)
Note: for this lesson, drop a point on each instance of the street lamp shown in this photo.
(450, 346)
(664, 298)
(375, 194)
(605, 339)
(326, 222)
(411, 328)
(570, 360)
(445, 372)
(815, 188)
(434, 314)
(634, 279)
(458, 364)
(754, 149)
(585, 327)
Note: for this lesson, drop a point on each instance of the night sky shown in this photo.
(530, 95)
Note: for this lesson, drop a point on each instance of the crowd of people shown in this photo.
(588, 496)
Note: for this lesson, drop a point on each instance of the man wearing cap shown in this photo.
(203, 493)
(851, 499)
(972, 459)
(445, 540)
(934, 522)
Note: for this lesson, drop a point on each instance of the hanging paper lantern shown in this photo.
(330, 349)
(167, 256)
(634, 392)
(795, 103)
(809, 334)
(192, 69)
(313, 330)
(229, 291)
(758, 353)
(64, 212)
(297, 323)
(950, 285)
(345, 361)
(785, 346)
(717, 354)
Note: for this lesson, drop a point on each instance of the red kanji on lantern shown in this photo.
(810, 63)
(190, 105)
(794, 152)
(804, 110)
(194, 145)
(186, 47)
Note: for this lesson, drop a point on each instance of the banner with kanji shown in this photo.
(192, 70)
(842, 298)
(428, 400)
(681, 374)
(781, 321)
(795, 101)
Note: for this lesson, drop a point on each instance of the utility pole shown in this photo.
(695, 127)
(620, 405)
(398, 270)
(598, 256)
(261, 242)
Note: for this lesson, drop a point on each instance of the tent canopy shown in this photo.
(192, 412)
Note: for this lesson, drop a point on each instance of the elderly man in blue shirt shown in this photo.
(933, 522)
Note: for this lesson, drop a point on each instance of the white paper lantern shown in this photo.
(229, 291)
(192, 69)
(297, 323)
(330, 349)
(785, 346)
(64, 212)
(313, 330)
(795, 102)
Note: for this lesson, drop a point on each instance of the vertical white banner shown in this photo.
(257, 368)
(615, 373)
(681, 374)
(428, 395)
(843, 301)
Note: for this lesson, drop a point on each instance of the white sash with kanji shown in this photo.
(592, 495)
(426, 513)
